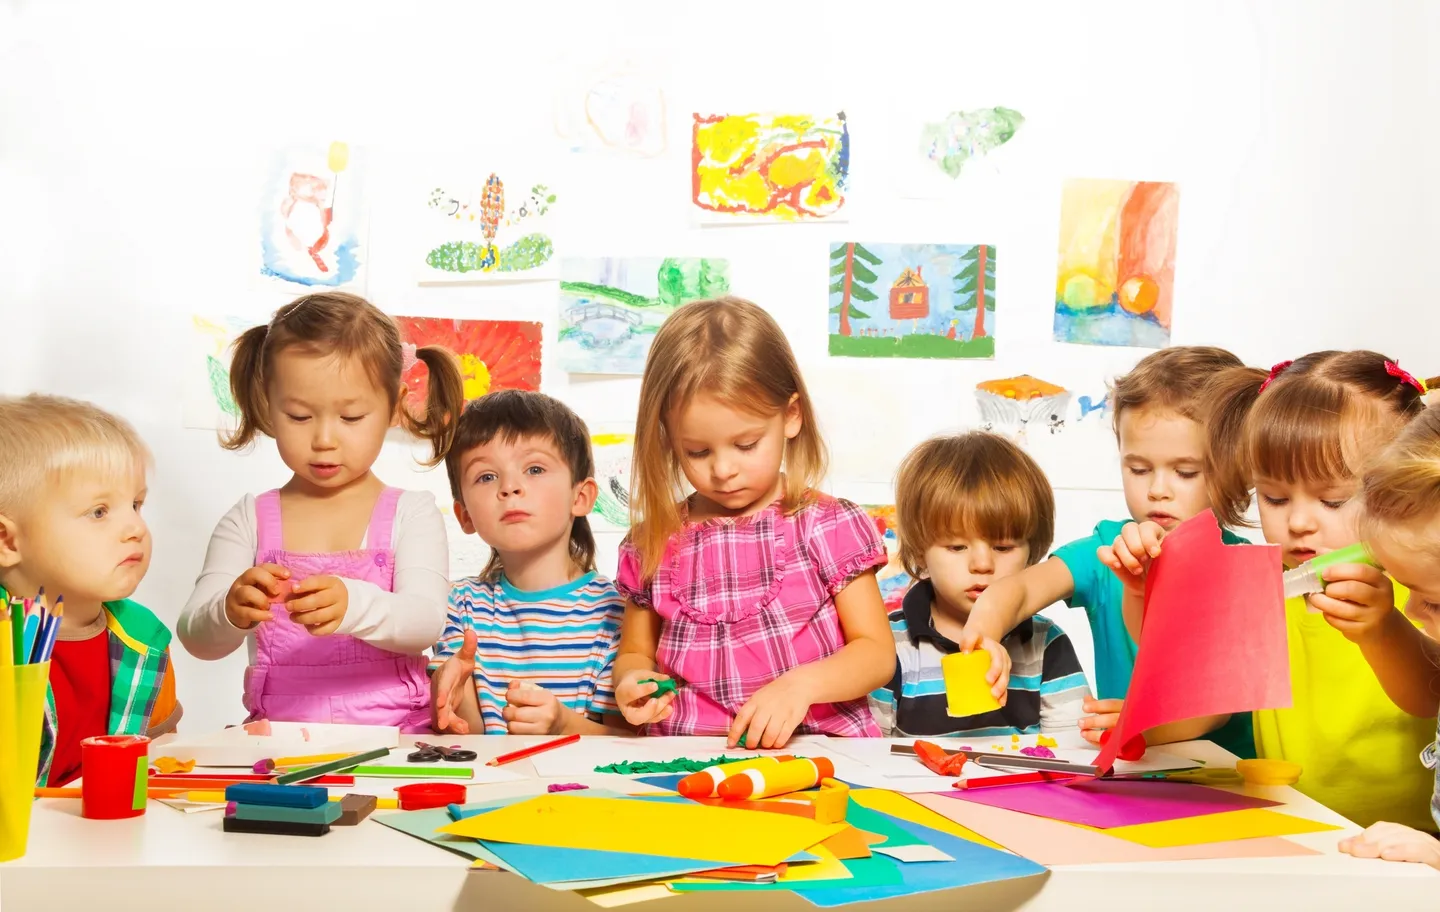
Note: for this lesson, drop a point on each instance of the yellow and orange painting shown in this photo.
(769, 167)
(1116, 279)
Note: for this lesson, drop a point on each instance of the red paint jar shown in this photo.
(114, 776)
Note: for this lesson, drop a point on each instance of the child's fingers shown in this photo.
(1106, 555)
(315, 601)
(1132, 536)
(275, 570)
(1094, 706)
(1360, 573)
(740, 726)
(1340, 609)
(1150, 536)
(1092, 736)
(467, 648)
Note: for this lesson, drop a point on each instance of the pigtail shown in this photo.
(443, 402)
(1227, 400)
(247, 387)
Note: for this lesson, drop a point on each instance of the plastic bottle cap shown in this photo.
(424, 795)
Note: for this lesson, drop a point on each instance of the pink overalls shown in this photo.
(302, 678)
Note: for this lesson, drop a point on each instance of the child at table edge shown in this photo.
(70, 524)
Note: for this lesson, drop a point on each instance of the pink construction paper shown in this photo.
(1213, 639)
(1108, 803)
(1050, 842)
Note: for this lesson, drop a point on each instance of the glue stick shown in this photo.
(704, 783)
(790, 776)
(1308, 577)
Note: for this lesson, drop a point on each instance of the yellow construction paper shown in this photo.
(613, 897)
(897, 805)
(966, 691)
(730, 836)
(1226, 827)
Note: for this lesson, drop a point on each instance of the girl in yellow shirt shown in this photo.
(1401, 523)
(1299, 438)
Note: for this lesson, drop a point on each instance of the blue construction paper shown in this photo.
(973, 864)
(670, 782)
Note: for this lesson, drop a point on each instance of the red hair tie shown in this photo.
(1404, 376)
(1275, 371)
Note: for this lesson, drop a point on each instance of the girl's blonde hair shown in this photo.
(734, 351)
(1403, 483)
(347, 326)
(1313, 420)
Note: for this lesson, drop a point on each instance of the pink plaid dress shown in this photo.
(745, 600)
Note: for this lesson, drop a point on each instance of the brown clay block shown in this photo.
(355, 808)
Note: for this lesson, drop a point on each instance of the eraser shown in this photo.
(355, 808)
(274, 827)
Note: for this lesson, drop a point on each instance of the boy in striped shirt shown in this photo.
(528, 645)
(971, 509)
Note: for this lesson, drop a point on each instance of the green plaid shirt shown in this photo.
(138, 665)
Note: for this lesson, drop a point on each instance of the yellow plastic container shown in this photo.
(22, 713)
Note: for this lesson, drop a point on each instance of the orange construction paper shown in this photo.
(1213, 639)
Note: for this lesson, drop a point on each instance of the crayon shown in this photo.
(790, 776)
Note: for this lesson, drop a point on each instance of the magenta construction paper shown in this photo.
(1104, 804)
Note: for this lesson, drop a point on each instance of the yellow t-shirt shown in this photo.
(1359, 751)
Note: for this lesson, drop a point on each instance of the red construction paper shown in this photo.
(1213, 640)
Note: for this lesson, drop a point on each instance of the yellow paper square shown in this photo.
(1225, 827)
(966, 691)
(725, 835)
(614, 897)
(897, 805)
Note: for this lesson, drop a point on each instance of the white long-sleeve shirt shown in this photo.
(408, 620)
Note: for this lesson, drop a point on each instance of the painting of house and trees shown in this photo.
(912, 300)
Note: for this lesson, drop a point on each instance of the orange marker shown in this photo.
(790, 776)
(704, 783)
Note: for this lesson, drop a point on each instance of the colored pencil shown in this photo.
(306, 761)
(7, 646)
(17, 631)
(46, 644)
(334, 766)
(532, 750)
(75, 792)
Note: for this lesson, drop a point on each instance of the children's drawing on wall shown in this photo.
(495, 229)
(769, 167)
(1017, 405)
(611, 308)
(912, 300)
(206, 402)
(963, 136)
(1094, 408)
(1116, 278)
(618, 106)
(893, 579)
(613, 454)
(312, 214)
(493, 354)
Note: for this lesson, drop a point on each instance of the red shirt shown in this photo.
(80, 681)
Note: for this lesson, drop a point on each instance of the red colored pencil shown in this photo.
(532, 750)
(1015, 779)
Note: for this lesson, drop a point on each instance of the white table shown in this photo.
(166, 859)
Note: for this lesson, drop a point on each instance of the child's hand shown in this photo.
(533, 710)
(1130, 555)
(319, 603)
(998, 676)
(636, 704)
(771, 715)
(248, 601)
(1394, 842)
(1356, 599)
(1104, 714)
(448, 685)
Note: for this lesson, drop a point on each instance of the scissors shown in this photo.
(430, 753)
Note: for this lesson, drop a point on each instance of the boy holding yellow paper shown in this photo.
(972, 509)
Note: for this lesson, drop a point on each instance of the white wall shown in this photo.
(130, 133)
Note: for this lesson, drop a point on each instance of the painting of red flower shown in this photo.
(493, 354)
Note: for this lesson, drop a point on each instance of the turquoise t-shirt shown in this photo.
(1099, 592)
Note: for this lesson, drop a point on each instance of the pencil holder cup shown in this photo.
(22, 715)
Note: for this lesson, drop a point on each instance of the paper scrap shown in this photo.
(1050, 842)
(1106, 803)
(914, 853)
(614, 897)
(1247, 824)
(1214, 637)
(575, 820)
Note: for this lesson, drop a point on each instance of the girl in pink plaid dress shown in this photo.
(756, 593)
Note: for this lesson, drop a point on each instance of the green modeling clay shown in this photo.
(683, 765)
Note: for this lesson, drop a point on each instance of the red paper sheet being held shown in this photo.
(1213, 639)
